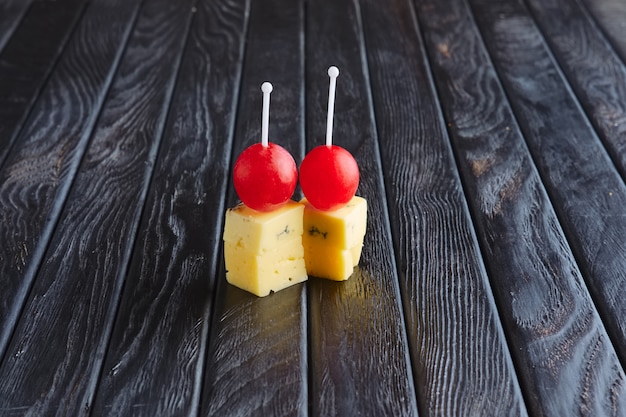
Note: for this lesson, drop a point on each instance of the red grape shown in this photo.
(329, 177)
(265, 177)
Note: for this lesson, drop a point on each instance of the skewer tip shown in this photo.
(267, 87)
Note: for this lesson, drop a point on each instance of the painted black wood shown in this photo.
(598, 77)
(80, 279)
(154, 363)
(543, 301)
(38, 172)
(257, 355)
(610, 16)
(11, 14)
(442, 276)
(594, 70)
(129, 312)
(357, 367)
(28, 59)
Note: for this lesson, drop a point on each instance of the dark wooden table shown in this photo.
(491, 137)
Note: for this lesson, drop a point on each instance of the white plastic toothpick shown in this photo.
(333, 73)
(265, 121)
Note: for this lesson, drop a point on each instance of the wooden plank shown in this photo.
(11, 13)
(37, 175)
(27, 61)
(359, 354)
(543, 302)
(57, 349)
(257, 356)
(154, 364)
(450, 312)
(610, 16)
(594, 70)
(598, 78)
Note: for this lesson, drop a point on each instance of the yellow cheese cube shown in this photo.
(263, 252)
(333, 240)
(343, 228)
(330, 262)
(273, 270)
(259, 231)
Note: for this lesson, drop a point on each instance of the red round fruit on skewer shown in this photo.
(265, 174)
(329, 177)
(329, 174)
(265, 177)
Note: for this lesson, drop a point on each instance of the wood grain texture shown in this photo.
(598, 78)
(38, 172)
(256, 364)
(564, 357)
(483, 133)
(357, 366)
(28, 59)
(594, 70)
(11, 13)
(155, 360)
(460, 355)
(54, 360)
(610, 16)
(257, 356)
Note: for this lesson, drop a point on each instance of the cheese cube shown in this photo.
(260, 231)
(263, 251)
(273, 270)
(343, 228)
(333, 240)
(328, 261)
